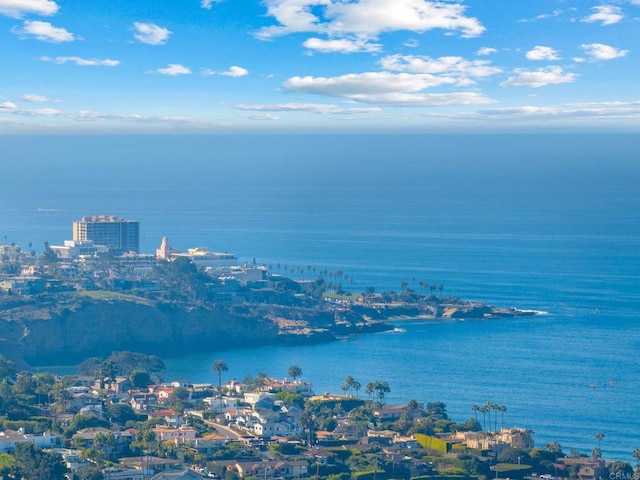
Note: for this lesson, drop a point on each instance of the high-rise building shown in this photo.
(119, 235)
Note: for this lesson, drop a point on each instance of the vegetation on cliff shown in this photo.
(193, 311)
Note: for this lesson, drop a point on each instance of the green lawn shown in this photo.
(108, 295)
(510, 467)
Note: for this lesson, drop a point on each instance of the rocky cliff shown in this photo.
(65, 329)
(69, 329)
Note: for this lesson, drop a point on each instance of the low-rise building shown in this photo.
(387, 413)
(9, 439)
(271, 469)
(73, 249)
(148, 465)
(176, 435)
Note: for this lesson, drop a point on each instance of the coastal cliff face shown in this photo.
(68, 331)
(65, 329)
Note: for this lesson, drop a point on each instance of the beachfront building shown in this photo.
(73, 249)
(119, 235)
(202, 257)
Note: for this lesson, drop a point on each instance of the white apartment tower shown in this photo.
(119, 235)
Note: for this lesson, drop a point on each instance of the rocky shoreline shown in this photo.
(65, 329)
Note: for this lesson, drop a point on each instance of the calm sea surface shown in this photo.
(548, 222)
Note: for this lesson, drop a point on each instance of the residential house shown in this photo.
(185, 474)
(252, 398)
(170, 417)
(71, 457)
(148, 465)
(144, 402)
(588, 468)
(221, 405)
(9, 439)
(381, 437)
(387, 413)
(519, 438)
(122, 474)
(272, 469)
(82, 397)
(208, 444)
(176, 435)
(85, 438)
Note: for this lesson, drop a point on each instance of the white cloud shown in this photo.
(82, 62)
(208, 3)
(8, 106)
(601, 110)
(18, 8)
(321, 108)
(542, 16)
(402, 89)
(33, 98)
(366, 19)
(354, 85)
(600, 51)
(235, 71)
(605, 14)
(484, 51)
(174, 69)
(342, 45)
(540, 52)
(539, 78)
(151, 34)
(262, 116)
(456, 66)
(40, 112)
(43, 31)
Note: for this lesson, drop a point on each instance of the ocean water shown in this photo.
(543, 222)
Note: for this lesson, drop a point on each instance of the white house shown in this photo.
(9, 439)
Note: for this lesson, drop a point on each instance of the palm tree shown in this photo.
(475, 409)
(220, 366)
(294, 371)
(356, 386)
(370, 388)
(348, 382)
(555, 448)
(489, 406)
(483, 409)
(496, 408)
(502, 409)
(599, 436)
(382, 390)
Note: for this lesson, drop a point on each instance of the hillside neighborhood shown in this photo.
(115, 426)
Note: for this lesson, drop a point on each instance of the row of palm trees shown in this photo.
(424, 285)
(294, 372)
(312, 271)
(487, 408)
(350, 385)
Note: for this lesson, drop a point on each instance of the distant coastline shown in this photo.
(67, 328)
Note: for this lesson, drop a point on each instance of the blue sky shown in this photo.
(75, 66)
